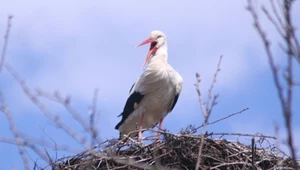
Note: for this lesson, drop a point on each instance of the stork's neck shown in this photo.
(160, 56)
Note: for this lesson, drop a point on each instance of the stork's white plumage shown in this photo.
(155, 92)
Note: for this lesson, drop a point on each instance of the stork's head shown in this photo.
(157, 39)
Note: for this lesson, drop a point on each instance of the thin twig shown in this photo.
(92, 119)
(55, 144)
(205, 121)
(276, 14)
(223, 118)
(209, 97)
(277, 143)
(272, 21)
(6, 37)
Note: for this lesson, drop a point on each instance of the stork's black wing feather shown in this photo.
(134, 99)
(174, 102)
(129, 93)
(131, 87)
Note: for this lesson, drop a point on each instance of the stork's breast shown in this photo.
(160, 99)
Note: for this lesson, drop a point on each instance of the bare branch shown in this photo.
(287, 108)
(56, 97)
(208, 108)
(27, 144)
(66, 103)
(14, 131)
(287, 29)
(285, 96)
(30, 141)
(56, 119)
(197, 85)
(268, 51)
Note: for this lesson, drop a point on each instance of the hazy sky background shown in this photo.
(74, 48)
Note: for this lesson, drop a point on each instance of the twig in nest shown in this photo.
(242, 134)
(253, 153)
(232, 163)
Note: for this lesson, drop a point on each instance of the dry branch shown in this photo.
(56, 119)
(286, 30)
(93, 111)
(89, 128)
(17, 138)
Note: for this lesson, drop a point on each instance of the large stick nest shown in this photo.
(177, 151)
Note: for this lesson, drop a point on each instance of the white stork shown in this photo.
(155, 92)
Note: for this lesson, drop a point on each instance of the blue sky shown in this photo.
(77, 47)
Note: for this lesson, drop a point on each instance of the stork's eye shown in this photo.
(159, 36)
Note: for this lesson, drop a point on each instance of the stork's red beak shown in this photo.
(151, 50)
